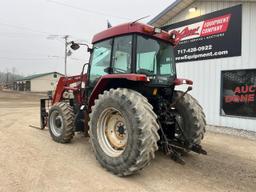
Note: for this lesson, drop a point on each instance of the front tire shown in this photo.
(123, 131)
(61, 122)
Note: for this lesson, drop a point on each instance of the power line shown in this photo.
(20, 37)
(45, 34)
(21, 58)
(24, 28)
(18, 33)
(21, 27)
(26, 55)
(88, 10)
(72, 58)
(47, 58)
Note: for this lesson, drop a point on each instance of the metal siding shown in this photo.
(43, 83)
(207, 74)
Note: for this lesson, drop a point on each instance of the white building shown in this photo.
(38, 83)
(218, 52)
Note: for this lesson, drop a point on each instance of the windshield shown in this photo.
(154, 57)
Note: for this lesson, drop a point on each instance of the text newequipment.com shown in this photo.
(201, 55)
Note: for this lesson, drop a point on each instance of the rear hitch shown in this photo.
(198, 149)
(171, 149)
(174, 150)
(186, 145)
(173, 153)
(176, 156)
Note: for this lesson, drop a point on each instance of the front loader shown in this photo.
(127, 101)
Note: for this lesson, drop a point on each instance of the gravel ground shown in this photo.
(235, 132)
(31, 161)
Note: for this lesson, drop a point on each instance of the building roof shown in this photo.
(30, 77)
(170, 12)
(175, 8)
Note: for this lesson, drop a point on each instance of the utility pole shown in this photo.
(66, 49)
(7, 76)
(52, 37)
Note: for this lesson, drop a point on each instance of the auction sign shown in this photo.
(215, 35)
(238, 93)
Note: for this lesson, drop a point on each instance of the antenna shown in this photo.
(140, 19)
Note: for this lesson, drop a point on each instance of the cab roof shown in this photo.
(128, 28)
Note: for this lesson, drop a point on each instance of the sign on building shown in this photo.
(238, 93)
(214, 35)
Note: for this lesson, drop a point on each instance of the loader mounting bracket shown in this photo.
(44, 107)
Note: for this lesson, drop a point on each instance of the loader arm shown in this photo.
(64, 85)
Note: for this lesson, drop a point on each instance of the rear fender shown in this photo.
(105, 80)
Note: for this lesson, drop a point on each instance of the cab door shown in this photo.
(111, 56)
(100, 61)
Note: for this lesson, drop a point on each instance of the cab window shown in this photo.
(154, 57)
(100, 60)
(122, 51)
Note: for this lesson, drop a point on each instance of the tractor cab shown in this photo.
(133, 48)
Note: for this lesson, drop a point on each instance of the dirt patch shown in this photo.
(31, 161)
(10, 99)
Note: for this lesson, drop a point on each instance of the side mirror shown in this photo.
(74, 45)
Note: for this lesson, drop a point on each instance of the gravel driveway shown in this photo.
(31, 161)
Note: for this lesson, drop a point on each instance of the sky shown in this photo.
(31, 31)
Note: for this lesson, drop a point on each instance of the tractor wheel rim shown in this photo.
(56, 123)
(112, 132)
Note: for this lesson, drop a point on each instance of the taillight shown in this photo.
(183, 81)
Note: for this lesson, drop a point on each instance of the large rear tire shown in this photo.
(190, 117)
(123, 131)
(61, 122)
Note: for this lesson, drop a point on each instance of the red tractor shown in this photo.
(126, 101)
